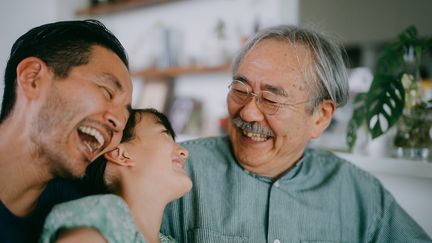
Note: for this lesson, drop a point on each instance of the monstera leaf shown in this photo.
(382, 106)
(409, 36)
(391, 59)
(384, 103)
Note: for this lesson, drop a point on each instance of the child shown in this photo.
(144, 173)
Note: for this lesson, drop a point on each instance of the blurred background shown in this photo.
(180, 50)
(180, 53)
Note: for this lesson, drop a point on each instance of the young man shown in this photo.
(66, 101)
(262, 184)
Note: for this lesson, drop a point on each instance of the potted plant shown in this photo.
(394, 98)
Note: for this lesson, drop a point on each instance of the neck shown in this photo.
(278, 167)
(23, 176)
(147, 207)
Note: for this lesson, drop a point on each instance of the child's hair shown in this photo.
(94, 181)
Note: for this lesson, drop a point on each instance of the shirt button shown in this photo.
(276, 241)
(276, 184)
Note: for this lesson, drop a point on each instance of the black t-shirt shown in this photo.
(28, 229)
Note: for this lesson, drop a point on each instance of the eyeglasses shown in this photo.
(266, 101)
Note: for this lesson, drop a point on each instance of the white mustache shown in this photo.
(252, 127)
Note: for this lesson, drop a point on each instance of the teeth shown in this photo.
(89, 145)
(252, 128)
(255, 136)
(94, 133)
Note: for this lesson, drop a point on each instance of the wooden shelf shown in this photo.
(172, 72)
(117, 6)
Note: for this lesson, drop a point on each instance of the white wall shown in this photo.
(16, 17)
(19, 16)
(193, 24)
(367, 21)
(367, 24)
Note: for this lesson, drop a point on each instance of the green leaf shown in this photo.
(391, 59)
(409, 36)
(384, 103)
(428, 44)
(357, 119)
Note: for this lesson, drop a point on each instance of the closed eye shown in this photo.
(271, 99)
(240, 92)
(167, 133)
(107, 92)
(271, 102)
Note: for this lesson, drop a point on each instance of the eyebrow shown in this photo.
(159, 122)
(241, 78)
(274, 89)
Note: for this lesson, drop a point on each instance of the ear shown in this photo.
(29, 76)
(322, 117)
(119, 156)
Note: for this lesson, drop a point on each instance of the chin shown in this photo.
(183, 187)
(187, 185)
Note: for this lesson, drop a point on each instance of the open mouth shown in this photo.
(253, 130)
(91, 137)
(257, 137)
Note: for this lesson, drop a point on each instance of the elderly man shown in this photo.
(66, 101)
(262, 183)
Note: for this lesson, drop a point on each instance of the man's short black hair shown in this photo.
(61, 45)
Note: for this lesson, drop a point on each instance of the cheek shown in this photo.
(151, 165)
(115, 141)
(162, 159)
(293, 126)
(233, 108)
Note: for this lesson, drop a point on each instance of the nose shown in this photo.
(250, 111)
(182, 152)
(117, 118)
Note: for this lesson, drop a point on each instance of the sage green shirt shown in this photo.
(322, 199)
(109, 214)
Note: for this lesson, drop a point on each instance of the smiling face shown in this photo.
(270, 144)
(83, 115)
(158, 160)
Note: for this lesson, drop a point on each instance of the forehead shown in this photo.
(277, 63)
(147, 124)
(110, 66)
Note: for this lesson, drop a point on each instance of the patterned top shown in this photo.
(323, 198)
(109, 214)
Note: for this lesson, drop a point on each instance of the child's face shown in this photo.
(159, 158)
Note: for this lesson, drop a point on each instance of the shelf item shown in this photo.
(156, 94)
(172, 72)
(120, 5)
